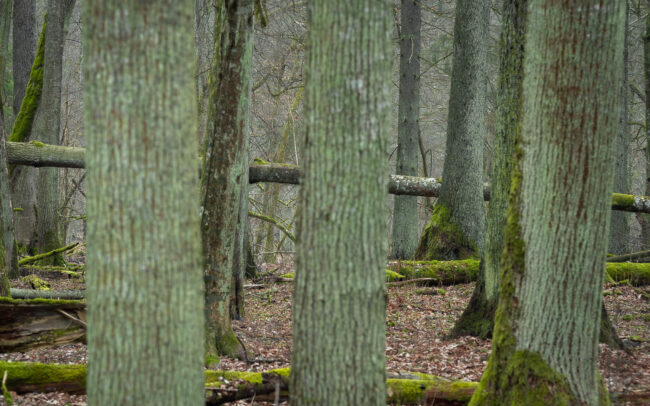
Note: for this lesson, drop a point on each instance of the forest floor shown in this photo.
(417, 322)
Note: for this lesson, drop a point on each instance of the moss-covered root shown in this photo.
(443, 240)
(477, 319)
(526, 380)
(608, 333)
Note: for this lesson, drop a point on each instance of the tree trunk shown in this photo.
(404, 237)
(478, 317)
(645, 225)
(24, 47)
(225, 170)
(23, 189)
(145, 291)
(551, 287)
(458, 222)
(619, 231)
(339, 300)
(47, 125)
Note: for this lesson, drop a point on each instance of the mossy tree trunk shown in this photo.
(339, 300)
(23, 189)
(145, 294)
(619, 232)
(24, 47)
(47, 126)
(551, 287)
(458, 222)
(645, 223)
(478, 317)
(225, 169)
(404, 236)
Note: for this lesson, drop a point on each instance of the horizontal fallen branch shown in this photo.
(47, 294)
(452, 272)
(260, 171)
(29, 260)
(629, 257)
(28, 324)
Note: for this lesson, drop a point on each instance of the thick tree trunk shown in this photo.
(478, 317)
(47, 125)
(619, 231)
(145, 293)
(24, 47)
(339, 301)
(225, 170)
(404, 237)
(551, 289)
(457, 226)
(645, 225)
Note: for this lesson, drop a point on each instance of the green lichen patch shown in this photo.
(36, 283)
(622, 201)
(37, 144)
(443, 240)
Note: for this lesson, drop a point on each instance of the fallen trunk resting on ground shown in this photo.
(452, 272)
(29, 260)
(38, 154)
(28, 324)
(629, 257)
(47, 294)
(412, 388)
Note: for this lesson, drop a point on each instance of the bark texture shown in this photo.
(545, 340)
(24, 47)
(339, 302)
(145, 293)
(404, 238)
(619, 231)
(478, 317)
(225, 169)
(458, 224)
(645, 222)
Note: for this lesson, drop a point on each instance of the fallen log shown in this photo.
(412, 389)
(37, 154)
(29, 260)
(452, 272)
(629, 257)
(28, 324)
(47, 294)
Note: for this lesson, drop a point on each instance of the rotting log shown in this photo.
(409, 388)
(28, 324)
(47, 294)
(29, 260)
(629, 257)
(37, 154)
(452, 272)
(50, 271)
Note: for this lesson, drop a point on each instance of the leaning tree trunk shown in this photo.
(551, 288)
(478, 317)
(145, 293)
(619, 232)
(458, 221)
(404, 237)
(225, 169)
(24, 47)
(339, 299)
(47, 126)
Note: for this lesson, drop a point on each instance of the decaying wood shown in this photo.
(29, 260)
(39, 154)
(47, 294)
(629, 257)
(28, 324)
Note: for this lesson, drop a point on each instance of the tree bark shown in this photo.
(457, 226)
(645, 225)
(404, 237)
(145, 293)
(478, 318)
(24, 47)
(339, 302)
(47, 125)
(619, 231)
(545, 340)
(225, 170)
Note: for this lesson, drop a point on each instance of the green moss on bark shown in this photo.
(25, 118)
(443, 239)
